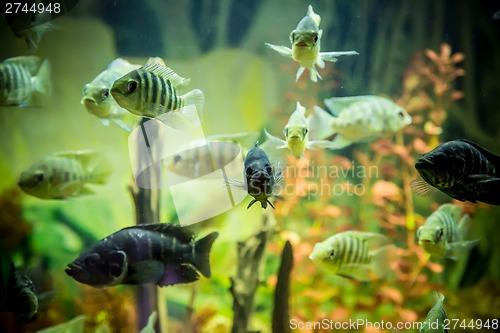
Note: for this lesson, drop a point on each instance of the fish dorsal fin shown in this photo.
(166, 73)
(31, 63)
(315, 17)
(492, 157)
(170, 229)
(338, 104)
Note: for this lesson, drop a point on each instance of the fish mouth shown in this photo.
(425, 241)
(87, 101)
(424, 161)
(303, 44)
(74, 269)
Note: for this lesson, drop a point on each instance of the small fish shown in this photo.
(296, 134)
(305, 49)
(21, 297)
(21, 77)
(160, 253)
(461, 169)
(97, 99)
(434, 321)
(64, 174)
(262, 180)
(153, 90)
(199, 159)
(359, 118)
(442, 234)
(355, 255)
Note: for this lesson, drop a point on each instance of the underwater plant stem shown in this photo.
(408, 195)
(281, 312)
(147, 210)
(244, 283)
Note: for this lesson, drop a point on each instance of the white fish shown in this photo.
(359, 118)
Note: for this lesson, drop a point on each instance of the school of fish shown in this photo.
(166, 254)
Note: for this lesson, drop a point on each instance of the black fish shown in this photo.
(159, 253)
(20, 296)
(259, 176)
(463, 170)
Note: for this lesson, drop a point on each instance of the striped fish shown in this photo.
(434, 321)
(443, 233)
(64, 174)
(160, 253)
(153, 90)
(461, 169)
(97, 99)
(21, 77)
(359, 118)
(356, 255)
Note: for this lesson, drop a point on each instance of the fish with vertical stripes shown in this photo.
(435, 319)
(154, 90)
(358, 118)
(159, 253)
(461, 169)
(442, 234)
(357, 255)
(97, 99)
(21, 78)
(64, 174)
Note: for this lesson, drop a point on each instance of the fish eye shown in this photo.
(249, 172)
(92, 260)
(105, 94)
(115, 269)
(269, 170)
(332, 254)
(177, 159)
(131, 87)
(305, 131)
(39, 177)
(292, 37)
(401, 114)
(441, 233)
(315, 38)
(285, 131)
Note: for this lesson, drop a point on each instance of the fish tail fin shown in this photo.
(42, 79)
(381, 259)
(195, 97)
(201, 258)
(96, 166)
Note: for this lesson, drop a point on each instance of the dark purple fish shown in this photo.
(160, 253)
(461, 169)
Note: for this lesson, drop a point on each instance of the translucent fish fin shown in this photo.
(94, 164)
(300, 71)
(168, 74)
(234, 185)
(85, 191)
(421, 187)
(180, 119)
(274, 148)
(122, 124)
(320, 124)
(358, 272)
(339, 142)
(201, 258)
(245, 139)
(105, 122)
(457, 249)
(332, 56)
(320, 144)
(320, 62)
(315, 17)
(119, 64)
(381, 259)
(283, 50)
(156, 60)
(313, 74)
(42, 79)
(195, 97)
(31, 63)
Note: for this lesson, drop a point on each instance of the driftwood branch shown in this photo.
(244, 284)
(281, 313)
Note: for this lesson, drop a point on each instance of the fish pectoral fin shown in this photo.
(147, 271)
(175, 274)
(283, 50)
(320, 144)
(457, 248)
(358, 272)
(183, 119)
(122, 125)
(194, 97)
(332, 56)
(421, 187)
(300, 71)
(320, 124)
(381, 259)
(339, 142)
